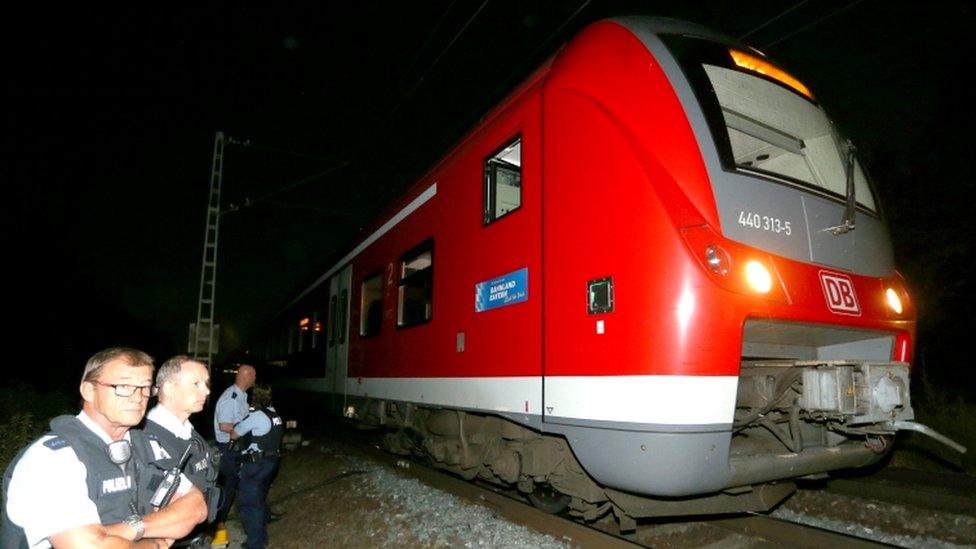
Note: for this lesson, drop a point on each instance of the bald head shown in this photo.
(245, 377)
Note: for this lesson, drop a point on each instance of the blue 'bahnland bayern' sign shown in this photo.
(508, 289)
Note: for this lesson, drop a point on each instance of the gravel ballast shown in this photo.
(332, 496)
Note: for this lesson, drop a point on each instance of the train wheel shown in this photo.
(546, 498)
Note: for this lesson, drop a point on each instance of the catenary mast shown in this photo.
(204, 334)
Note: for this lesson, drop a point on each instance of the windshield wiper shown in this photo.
(847, 224)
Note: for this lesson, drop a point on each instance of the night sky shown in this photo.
(109, 121)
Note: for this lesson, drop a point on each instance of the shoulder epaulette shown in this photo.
(56, 443)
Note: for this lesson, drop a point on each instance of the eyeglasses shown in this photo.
(123, 390)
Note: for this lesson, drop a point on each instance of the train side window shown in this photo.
(415, 296)
(371, 306)
(503, 181)
(304, 334)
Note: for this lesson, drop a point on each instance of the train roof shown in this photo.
(666, 25)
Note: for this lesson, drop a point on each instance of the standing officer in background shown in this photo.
(80, 485)
(262, 430)
(183, 385)
(231, 407)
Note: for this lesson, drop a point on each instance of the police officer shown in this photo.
(262, 431)
(79, 485)
(231, 407)
(183, 386)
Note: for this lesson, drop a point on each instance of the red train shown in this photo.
(654, 279)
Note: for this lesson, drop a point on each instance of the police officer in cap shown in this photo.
(183, 385)
(260, 432)
(84, 484)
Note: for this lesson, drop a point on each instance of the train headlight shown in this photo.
(894, 302)
(758, 277)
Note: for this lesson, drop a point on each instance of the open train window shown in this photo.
(503, 181)
(371, 306)
(415, 296)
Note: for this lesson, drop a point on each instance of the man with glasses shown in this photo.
(183, 385)
(83, 484)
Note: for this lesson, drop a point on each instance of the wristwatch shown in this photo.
(135, 521)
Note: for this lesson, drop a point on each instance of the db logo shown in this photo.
(839, 292)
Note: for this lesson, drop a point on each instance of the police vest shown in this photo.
(201, 466)
(269, 442)
(113, 491)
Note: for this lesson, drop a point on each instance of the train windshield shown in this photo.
(766, 122)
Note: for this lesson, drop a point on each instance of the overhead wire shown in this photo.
(529, 58)
(308, 207)
(797, 5)
(532, 56)
(420, 80)
(305, 180)
(250, 144)
(822, 19)
(430, 36)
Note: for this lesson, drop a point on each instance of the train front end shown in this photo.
(824, 379)
(756, 285)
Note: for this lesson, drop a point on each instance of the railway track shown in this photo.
(744, 531)
(948, 492)
(781, 533)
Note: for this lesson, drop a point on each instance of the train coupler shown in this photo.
(869, 397)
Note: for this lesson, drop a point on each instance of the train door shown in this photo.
(337, 353)
(503, 259)
(580, 253)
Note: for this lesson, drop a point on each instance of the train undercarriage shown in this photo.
(794, 419)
